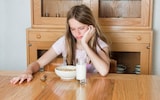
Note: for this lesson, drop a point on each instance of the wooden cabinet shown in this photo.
(128, 14)
(127, 22)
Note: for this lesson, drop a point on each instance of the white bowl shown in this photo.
(66, 72)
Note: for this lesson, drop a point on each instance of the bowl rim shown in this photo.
(67, 66)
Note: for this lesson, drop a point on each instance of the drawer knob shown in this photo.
(38, 36)
(148, 47)
(29, 44)
(139, 38)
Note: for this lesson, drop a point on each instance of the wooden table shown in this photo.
(111, 87)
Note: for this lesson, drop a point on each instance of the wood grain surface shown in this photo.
(111, 87)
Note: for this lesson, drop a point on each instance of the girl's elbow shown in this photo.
(104, 72)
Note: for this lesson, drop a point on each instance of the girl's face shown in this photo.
(78, 29)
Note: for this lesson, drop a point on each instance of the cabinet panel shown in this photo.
(120, 8)
(131, 55)
(39, 41)
(125, 14)
(35, 46)
(52, 13)
(131, 48)
(45, 36)
(130, 37)
(37, 49)
(58, 8)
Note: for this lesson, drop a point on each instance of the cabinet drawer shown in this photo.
(44, 36)
(126, 37)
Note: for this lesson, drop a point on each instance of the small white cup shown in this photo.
(137, 69)
(121, 68)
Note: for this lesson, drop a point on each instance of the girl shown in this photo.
(83, 39)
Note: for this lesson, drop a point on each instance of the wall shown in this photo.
(2, 28)
(156, 40)
(15, 18)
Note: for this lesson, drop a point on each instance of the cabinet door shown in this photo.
(37, 49)
(52, 13)
(39, 41)
(131, 55)
(123, 13)
(132, 48)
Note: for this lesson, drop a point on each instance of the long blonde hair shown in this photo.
(84, 15)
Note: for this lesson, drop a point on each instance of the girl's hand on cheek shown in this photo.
(89, 33)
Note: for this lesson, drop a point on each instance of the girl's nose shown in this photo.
(78, 32)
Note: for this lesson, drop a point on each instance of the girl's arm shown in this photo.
(34, 67)
(100, 61)
(47, 57)
(42, 61)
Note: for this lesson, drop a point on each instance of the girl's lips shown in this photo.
(79, 37)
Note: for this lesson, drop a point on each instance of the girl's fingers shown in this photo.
(21, 79)
(92, 29)
(15, 80)
(29, 78)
